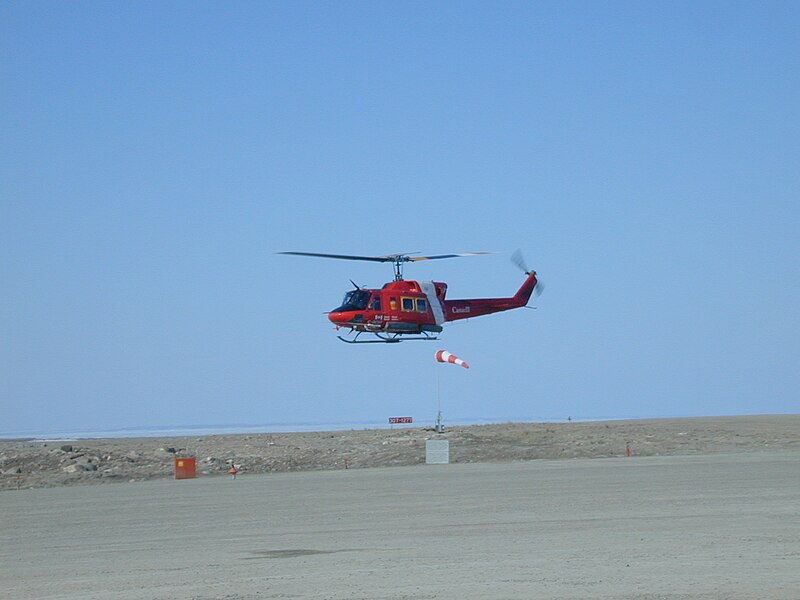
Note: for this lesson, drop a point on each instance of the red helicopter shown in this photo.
(414, 310)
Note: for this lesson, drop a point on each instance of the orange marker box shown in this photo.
(185, 468)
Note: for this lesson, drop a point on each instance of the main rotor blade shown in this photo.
(393, 258)
(342, 256)
(416, 258)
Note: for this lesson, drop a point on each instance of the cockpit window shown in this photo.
(354, 300)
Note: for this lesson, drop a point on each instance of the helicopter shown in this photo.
(404, 310)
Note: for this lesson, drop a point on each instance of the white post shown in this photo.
(439, 426)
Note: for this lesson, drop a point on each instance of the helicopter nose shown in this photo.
(345, 318)
(338, 317)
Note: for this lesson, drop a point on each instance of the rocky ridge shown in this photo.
(31, 463)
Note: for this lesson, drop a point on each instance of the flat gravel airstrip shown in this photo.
(723, 526)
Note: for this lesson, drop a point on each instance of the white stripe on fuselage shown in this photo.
(433, 300)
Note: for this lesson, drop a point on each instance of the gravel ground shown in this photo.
(693, 527)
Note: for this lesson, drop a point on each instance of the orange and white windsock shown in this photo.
(443, 356)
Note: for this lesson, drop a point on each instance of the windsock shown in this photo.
(443, 356)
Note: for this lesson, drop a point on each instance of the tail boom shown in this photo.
(476, 307)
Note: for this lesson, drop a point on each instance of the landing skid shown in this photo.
(392, 339)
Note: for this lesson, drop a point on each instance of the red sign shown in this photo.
(395, 420)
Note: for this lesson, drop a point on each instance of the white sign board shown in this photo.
(437, 452)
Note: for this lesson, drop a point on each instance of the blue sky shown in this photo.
(156, 155)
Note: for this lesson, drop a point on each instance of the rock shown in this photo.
(66, 448)
(73, 468)
(86, 464)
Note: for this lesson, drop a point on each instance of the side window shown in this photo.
(408, 303)
(422, 305)
(375, 303)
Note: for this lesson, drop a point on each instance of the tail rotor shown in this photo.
(519, 261)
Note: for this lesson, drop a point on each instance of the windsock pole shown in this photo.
(443, 356)
(439, 426)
